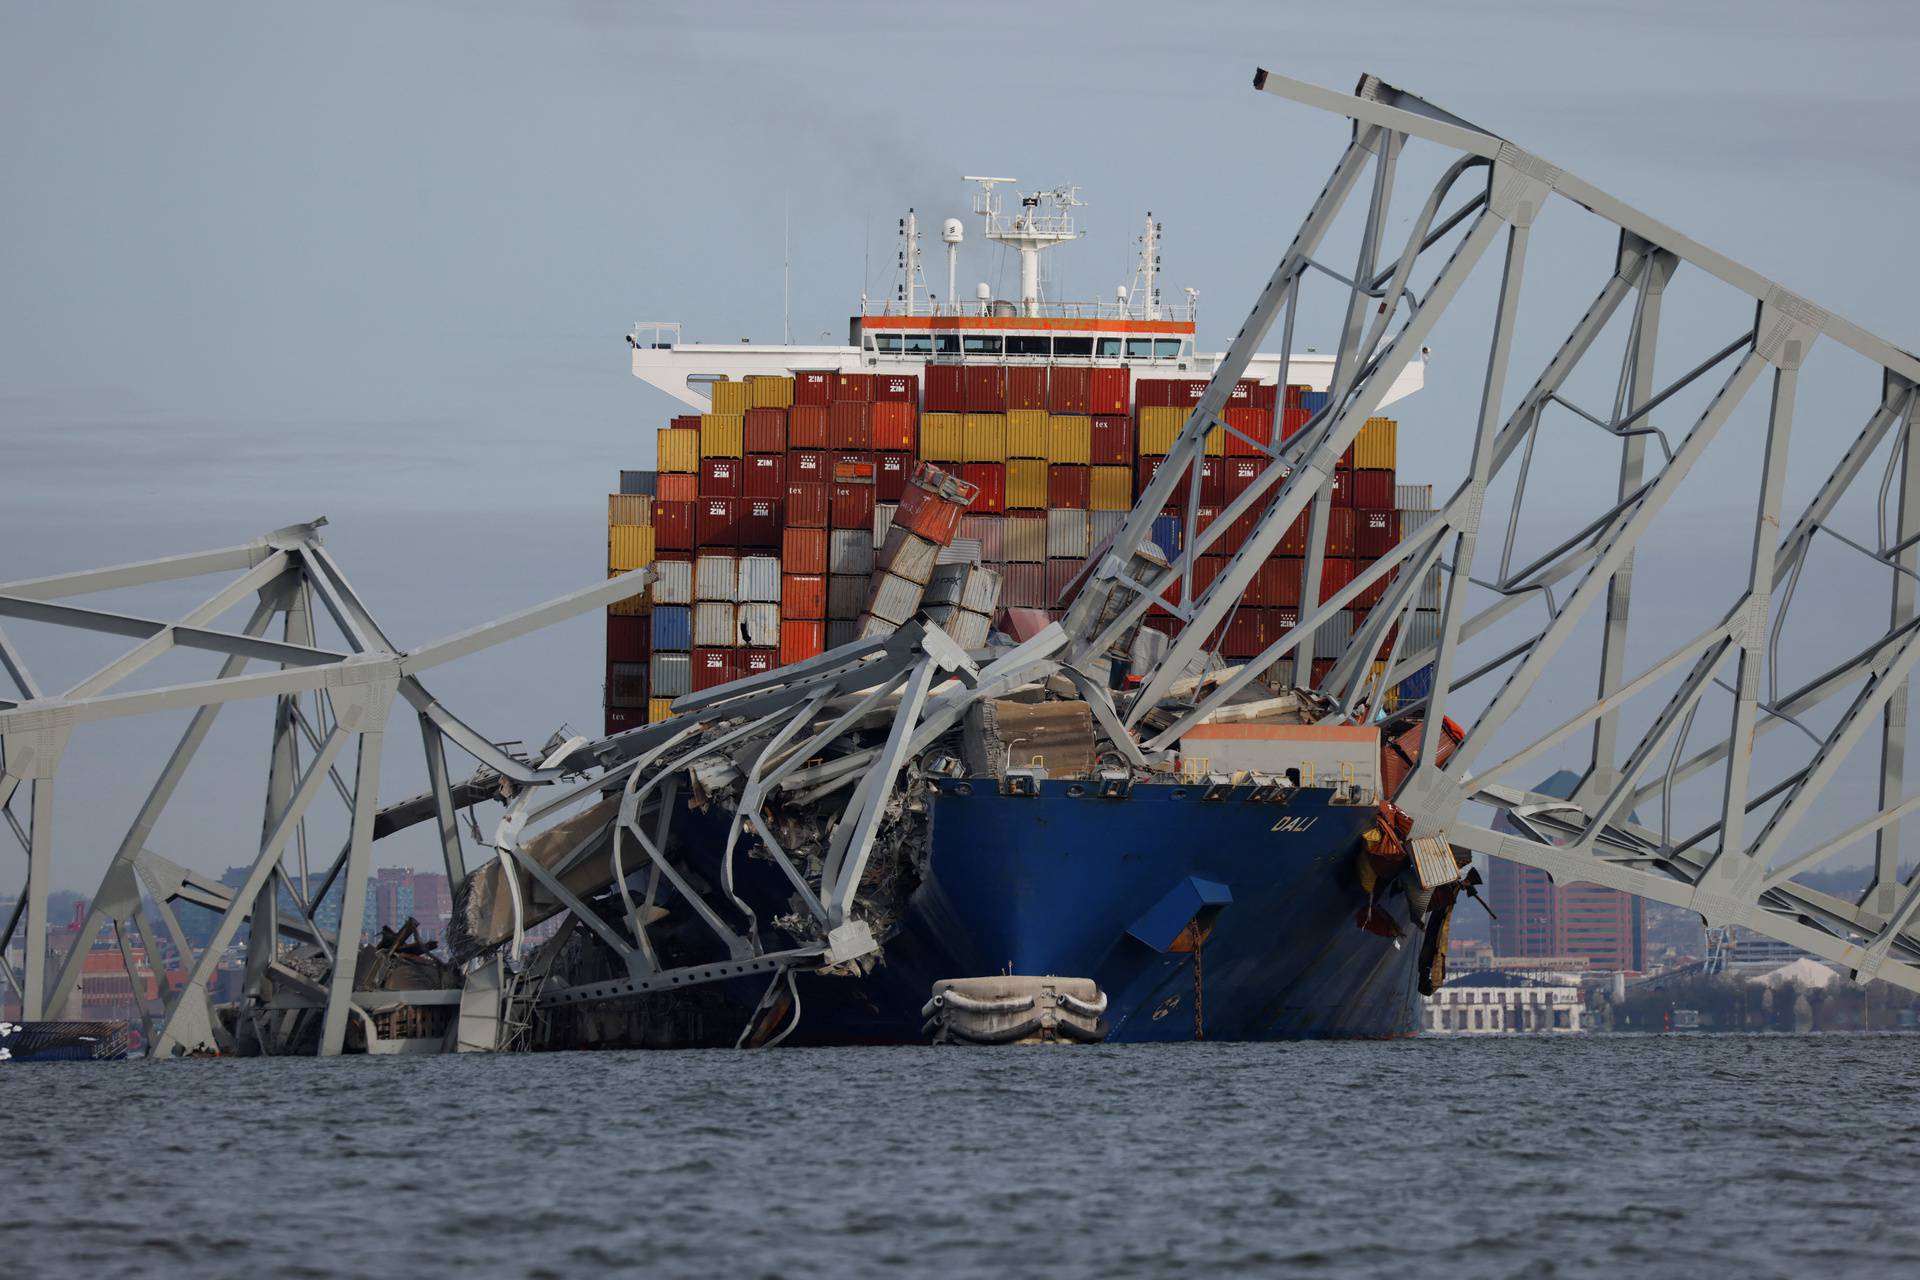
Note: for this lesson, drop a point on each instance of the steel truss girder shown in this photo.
(1744, 878)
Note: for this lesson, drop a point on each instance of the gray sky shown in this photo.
(263, 263)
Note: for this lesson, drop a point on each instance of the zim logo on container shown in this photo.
(1294, 825)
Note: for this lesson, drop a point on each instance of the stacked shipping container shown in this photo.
(768, 516)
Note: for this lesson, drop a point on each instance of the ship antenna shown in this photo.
(1030, 230)
(1146, 275)
(912, 282)
(786, 275)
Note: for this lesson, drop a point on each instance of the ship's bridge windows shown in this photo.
(1073, 347)
(1108, 349)
(917, 344)
(1166, 348)
(1024, 344)
(983, 344)
(946, 344)
(887, 344)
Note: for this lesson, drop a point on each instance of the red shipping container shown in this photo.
(716, 522)
(1342, 486)
(1112, 438)
(812, 387)
(890, 471)
(807, 504)
(1203, 517)
(676, 486)
(1024, 586)
(1186, 392)
(809, 466)
(1069, 487)
(850, 425)
(1375, 533)
(720, 477)
(1252, 422)
(672, 526)
(1108, 392)
(1144, 471)
(1322, 668)
(1266, 395)
(687, 422)
(1295, 390)
(1070, 389)
(629, 639)
(1151, 393)
(893, 423)
(1240, 473)
(991, 477)
(713, 667)
(1373, 490)
(757, 526)
(1059, 577)
(803, 595)
(925, 514)
(803, 549)
(1294, 541)
(766, 476)
(800, 640)
(1027, 386)
(1264, 588)
(1205, 570)
(1239, 531)
(852, 464)
(766, 431)
(986, 388)
(1245, 634)
(1213, 482)
(1372, 595)
(1289, 573)
(1336, 572)
(896, 388)
(1291, 420)
(854, 387)
(946, 388)
(807, 427)
(755, 662)
(851, 506)
(1340, 524)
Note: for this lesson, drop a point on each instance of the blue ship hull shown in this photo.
(1072, 884)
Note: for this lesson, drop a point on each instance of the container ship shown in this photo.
(956, 465)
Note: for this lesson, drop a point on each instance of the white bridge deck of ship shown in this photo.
(1753, 797)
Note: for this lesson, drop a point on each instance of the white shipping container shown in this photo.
(1413, 519)
(1421, 628)
(1417, 496)
(1066, 535)
(841, 631)
(1102, 525)
(850, 551)
(672, 582)
(940, 613)
(969, 630)
(961, 551)
(1280, 674)
(672, 675)
(759, 579)
(846, 596)
(894, 598)
(981, 592)
(907, 555)
(867, 628)
(760, 626)
(883, 513)
(715, 626)
(1429, 593)
(1023, 539)
(1331, 638)
(716, 578)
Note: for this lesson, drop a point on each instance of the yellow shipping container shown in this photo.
(1376, 447)
(730, 397)
(1112, 488)
(722, 435)
(765, 391)
(1389, 701)
(1027, 483)
(629, 546)
(679, 449)
(1070, 439)
(986, 438)
(1159, 428)
(629, 508)
(659, 709)
(634, 606)
(1027, 433)
(943, 437)
(1217, 442)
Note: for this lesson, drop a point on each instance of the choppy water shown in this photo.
(1589, 1156)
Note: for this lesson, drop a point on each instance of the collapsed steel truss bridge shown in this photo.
(1694, 731)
